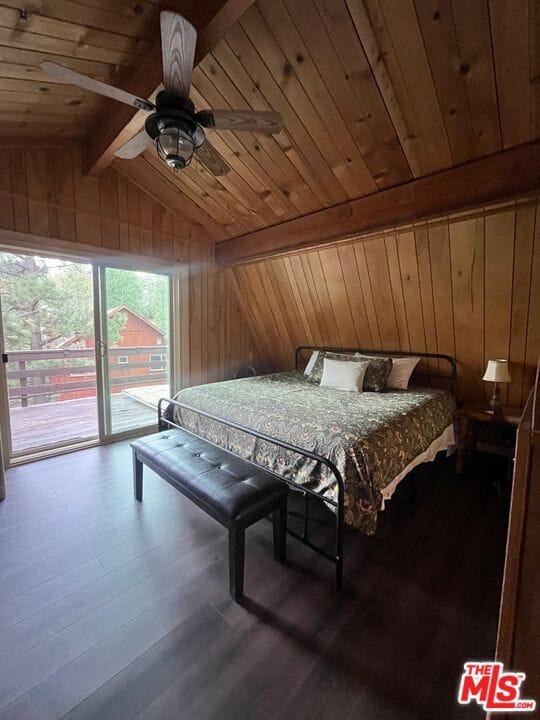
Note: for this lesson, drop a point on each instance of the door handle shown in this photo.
(101, 348)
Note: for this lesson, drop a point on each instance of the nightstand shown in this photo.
(472, 414)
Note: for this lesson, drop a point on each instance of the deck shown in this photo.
(70, 420)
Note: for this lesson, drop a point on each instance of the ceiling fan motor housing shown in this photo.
(174, 130)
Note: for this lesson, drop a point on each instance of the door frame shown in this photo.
(43, 451)
(176, 312)
(178, 347)
(5, 419)
(100, 341)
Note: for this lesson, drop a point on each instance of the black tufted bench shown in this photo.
(230, 489)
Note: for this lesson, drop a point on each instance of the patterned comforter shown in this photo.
(386, 431)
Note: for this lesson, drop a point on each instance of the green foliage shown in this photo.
(44, 301)
(145, 293)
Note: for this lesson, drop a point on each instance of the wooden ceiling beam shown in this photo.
(501, 176)
(119, 123)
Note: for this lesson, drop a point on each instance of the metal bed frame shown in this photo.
(337, 557)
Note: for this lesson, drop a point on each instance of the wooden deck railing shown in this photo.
(29, 381)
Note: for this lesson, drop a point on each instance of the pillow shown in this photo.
(316, 371)
(402, 369)
(344, 374)
(311, 362)
(377, 374)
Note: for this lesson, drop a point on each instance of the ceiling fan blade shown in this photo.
(65, 75)
(211, 159)
(251, 120)
(178, 40)
(137, 145)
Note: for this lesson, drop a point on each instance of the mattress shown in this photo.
(372, 438)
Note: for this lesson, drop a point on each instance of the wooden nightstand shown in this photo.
(471, 414)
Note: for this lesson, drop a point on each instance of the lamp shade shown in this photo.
(497, 371)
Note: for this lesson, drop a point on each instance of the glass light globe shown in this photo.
(175, 147)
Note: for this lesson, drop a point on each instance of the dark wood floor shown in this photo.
(110, 609)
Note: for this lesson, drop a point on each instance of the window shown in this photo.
(122, 359)
(157, 363)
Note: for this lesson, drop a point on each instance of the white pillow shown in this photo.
(344, 374)
(311, 362)
(402, 369)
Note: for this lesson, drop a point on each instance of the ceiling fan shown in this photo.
(174, 126)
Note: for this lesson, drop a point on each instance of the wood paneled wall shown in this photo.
(220, 339)
(467, 286)
(44, 193)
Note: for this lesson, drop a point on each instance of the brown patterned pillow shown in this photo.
(376, 375)
(317, 370)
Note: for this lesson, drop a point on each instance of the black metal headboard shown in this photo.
(430, 368)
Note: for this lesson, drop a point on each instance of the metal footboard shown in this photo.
(336, 558)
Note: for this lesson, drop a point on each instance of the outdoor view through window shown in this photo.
(50, 341)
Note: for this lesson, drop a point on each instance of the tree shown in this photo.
(47, 301)
(145, 293)
(43, 301)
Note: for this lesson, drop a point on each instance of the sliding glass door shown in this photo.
(85, 351)
(48, 352)
(134, 347)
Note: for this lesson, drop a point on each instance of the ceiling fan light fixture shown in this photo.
(175, 146)
(173, 124)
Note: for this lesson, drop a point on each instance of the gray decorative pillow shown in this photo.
(402, 370)
(317, 370)
(376, 376)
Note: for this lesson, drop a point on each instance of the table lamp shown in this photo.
(496, 372)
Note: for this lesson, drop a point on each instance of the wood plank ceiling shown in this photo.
(99, 38)
(373, 93)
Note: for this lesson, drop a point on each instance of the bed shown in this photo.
(349, 449)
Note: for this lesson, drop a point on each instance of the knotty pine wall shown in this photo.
(468, 286)
(220, 338)
(43, 193)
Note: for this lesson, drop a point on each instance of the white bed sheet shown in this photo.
(445, 441)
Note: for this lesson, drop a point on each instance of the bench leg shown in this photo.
(236, 562)
(280, 531)
(137, 477)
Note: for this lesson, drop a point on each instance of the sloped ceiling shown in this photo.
(104, 40)
(373, 93)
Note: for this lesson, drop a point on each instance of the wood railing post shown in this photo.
(23, 383)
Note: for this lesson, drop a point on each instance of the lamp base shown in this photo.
(495, 402)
